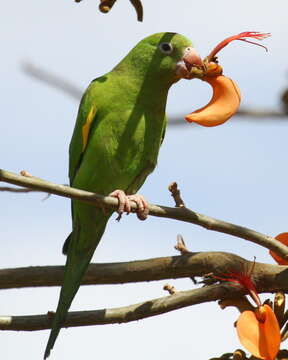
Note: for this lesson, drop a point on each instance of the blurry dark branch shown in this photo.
(267, 278)
(261, 113)
(255, 114)
(176, 213)
(17, 190)
(123, 314)
(52, 80)
(69, 88)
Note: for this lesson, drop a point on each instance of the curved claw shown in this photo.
(124, 205)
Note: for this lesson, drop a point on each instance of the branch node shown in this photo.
(180, 246)
(175, 193)
(239, 355)
(25, 173)
(106, 5)
(170, 288)
(50, 314)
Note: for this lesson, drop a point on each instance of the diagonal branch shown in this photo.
(52, 80)
(177, 213)
(123, 314)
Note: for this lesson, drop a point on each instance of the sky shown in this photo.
(236, 172)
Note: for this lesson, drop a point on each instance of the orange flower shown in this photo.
(258, 330)
(259, 333)
(226, 94)
(283, 238)
(223, 104)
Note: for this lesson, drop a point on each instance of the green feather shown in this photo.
(119, 129)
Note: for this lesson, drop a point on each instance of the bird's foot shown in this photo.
(124, 205)
(142, 209)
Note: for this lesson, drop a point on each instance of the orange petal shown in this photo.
(260, 338)
(224, 103)
(283, 238)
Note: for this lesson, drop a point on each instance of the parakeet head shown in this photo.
(165, 57)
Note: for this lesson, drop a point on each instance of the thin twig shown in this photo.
(170, 288)
(181, 246)
(175, 193)
(182, 214)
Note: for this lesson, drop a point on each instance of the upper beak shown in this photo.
(190, 64)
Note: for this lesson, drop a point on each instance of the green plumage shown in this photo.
(115, 144)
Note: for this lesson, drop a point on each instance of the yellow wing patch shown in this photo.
(86, 127)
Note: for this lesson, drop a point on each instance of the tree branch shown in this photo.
(177, 213)
(267, 277)
(123, 314)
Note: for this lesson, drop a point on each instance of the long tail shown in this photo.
(75, 268)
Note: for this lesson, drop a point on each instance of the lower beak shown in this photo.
(190, 65)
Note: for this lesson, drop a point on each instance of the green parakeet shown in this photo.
(119, 129)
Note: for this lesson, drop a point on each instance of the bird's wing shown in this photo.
(85, 119)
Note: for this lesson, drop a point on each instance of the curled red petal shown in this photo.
(238, 278)
(242, 36)
(244, 279)
(253, 34)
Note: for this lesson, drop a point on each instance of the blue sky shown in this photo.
(235, 172)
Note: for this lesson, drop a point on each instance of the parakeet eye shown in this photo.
(165, 48)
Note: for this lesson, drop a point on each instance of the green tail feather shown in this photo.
(75, 268)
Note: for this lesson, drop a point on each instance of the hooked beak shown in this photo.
(190, 65)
